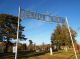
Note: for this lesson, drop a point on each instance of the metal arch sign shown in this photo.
(39, 16)
(34, 15)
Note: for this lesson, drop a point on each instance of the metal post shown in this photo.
(17, 34)
(71, 39)
(51, 53)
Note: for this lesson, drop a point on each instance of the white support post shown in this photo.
(17, 35)
(51, 53)
(71, 39)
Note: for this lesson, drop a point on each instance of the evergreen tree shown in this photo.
(8, 29)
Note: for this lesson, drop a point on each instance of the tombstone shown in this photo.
(14, 49)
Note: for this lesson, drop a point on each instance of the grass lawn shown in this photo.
(73, 57)
(56, 55)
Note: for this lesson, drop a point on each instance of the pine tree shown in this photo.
(8, 29)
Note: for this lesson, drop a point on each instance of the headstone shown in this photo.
(65, 48)
(14, 49)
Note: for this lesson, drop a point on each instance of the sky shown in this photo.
(39, 31)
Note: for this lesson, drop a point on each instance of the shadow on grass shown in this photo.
(21, 54)
(31, 54)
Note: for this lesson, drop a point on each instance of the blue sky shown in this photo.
(39, 31)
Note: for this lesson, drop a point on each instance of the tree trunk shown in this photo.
(6, 48)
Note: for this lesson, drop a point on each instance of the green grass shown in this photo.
(73, 57)
(56, 55)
